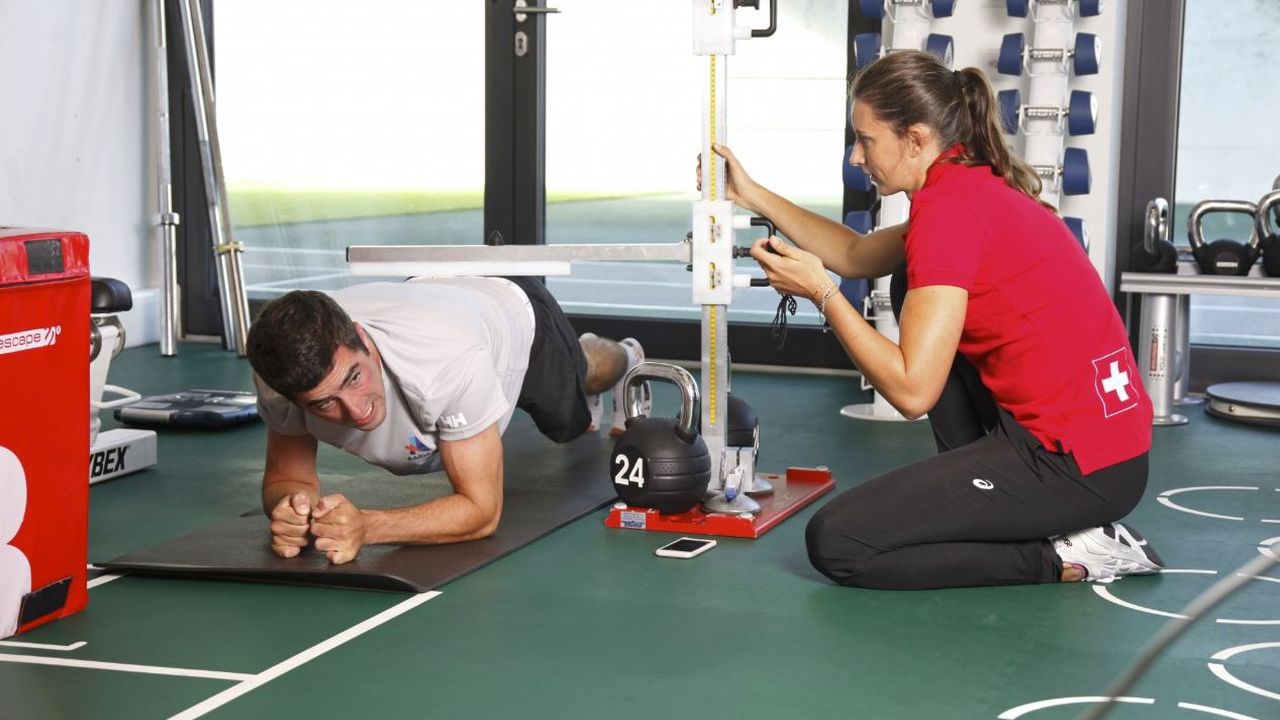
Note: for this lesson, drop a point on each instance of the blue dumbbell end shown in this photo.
(941, 47)
(855, 291)
(1016, 8)
(871, 8)
(1090, 8)
(1075, 172)
(1012, 49)
(859, 221)
(1082, 118)
(1010, 102)
(1088, 51)
(943, 8)
(855, 178)
(866, 49)
(1079, 229)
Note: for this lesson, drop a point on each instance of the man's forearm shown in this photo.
(452, 518)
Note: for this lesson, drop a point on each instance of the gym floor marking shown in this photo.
(245, 682)
(123, 667)
(104, 579)
(1163, 499)
(254, 681)
(43, 646)
(1266, 547)
(1221, 671)
(1021, 710)
(1104, 591)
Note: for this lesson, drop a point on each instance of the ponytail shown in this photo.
(984, 143)
(911, 87)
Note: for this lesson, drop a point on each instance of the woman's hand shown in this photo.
(738, 186)
(791, 270)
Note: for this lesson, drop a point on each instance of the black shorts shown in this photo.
(554, 391)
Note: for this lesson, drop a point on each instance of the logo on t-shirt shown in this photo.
(454, 421)
(418, 450)
(1114, 380)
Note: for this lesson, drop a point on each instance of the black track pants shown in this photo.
(978, 513)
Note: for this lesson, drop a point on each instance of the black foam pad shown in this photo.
(108, 295)
(547, 487)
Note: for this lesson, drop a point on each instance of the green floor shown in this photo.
(587, 623)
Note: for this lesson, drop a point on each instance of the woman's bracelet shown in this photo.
(832, 289)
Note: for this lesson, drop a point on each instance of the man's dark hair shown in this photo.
(293, 340)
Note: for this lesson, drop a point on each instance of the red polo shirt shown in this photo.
(1040, 327)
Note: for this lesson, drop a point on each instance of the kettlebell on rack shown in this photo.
(1222, 257)
(1155, 254)
(661, 463)
(1268, 211)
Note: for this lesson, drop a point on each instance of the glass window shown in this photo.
(345, 123)
(1228, 147)
(624, 99)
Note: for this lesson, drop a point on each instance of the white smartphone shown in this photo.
(685, 547)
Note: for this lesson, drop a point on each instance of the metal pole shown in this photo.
(235, 304)
(168, 219)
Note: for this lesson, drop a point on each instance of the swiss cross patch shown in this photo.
(1115, 380)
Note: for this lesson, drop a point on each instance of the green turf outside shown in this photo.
(258, 206)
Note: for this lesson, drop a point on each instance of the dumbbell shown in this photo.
(867, 48)
(855, 290)
(1269, 239)
(1079, 229)
(1222, 257)
(1072, 175)
(860, 221)
(1086, 8)
(855, 178)
(1081, 112)
(939, 8)
(1014, 54)
(1155, 254)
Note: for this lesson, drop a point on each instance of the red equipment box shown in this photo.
(44, 426)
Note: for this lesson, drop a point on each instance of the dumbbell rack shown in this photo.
(909, 26)
(1052, 109)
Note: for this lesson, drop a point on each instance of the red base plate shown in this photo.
(800, 487)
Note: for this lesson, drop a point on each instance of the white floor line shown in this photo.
(266, 676)
(104, 579)
(43, 646)
(123, 667)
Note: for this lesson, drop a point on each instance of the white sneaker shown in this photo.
(635, 356)
(1108, 552)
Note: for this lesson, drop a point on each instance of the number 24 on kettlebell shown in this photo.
(627, 471)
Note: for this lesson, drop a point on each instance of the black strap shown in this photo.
(779, 328)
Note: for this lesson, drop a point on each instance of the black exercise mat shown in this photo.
(547, 487)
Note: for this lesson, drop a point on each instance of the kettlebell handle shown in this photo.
(1260, 222)
(1157, 227)
(690, 403)
(1195, 222)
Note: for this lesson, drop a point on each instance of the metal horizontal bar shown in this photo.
(1170, 284)
(650, 252)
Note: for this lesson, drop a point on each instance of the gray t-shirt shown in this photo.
(454, 353)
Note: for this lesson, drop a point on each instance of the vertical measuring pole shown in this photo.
(712, 251)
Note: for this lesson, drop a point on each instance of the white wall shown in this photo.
(75, 152)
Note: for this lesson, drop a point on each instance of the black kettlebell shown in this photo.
(1222, 257)
(1268, 210)
(1155, 254)
(661, 463)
